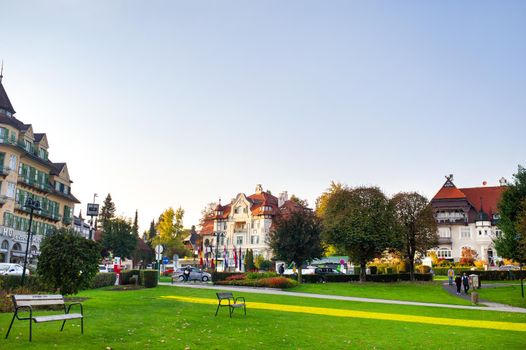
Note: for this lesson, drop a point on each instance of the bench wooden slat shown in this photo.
(39, 319)
(39, 302)
(37, 297)
(224, 295)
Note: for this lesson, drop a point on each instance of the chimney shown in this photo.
(503, 181)
(282, 198)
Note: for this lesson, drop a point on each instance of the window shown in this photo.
(239, 240)
(444, 253)
(465, 232)
(12, 162)
(444, 232)
(11, 188)
(42, 153)
(5, 245)
(236, 210)
(4, 135)
(17, 246)
(254, 239)
(498, 233)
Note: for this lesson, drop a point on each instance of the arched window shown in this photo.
(444, 253)
(5, 245)
(33, 249)
(17, 247)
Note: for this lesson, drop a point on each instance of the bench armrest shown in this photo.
(72, 304)
(236, 299)
(30, 309)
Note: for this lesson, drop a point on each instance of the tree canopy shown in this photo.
(361, 222)
(68, 262)
(417, 224)
(296, 237)
(107, 211)
(118, 238)
(171, 232)
(512, 210)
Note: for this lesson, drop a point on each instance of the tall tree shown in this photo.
(296, 237)
(511, 210)
(118, 238)
(107, 211)
(362, 222)
(298, 200)
(171, 232)
(135, 227)
(152, 232)
(321, 201)
(417, 223)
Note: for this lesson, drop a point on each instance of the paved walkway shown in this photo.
(489, 307)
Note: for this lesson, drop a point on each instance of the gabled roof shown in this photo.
(4, 100)
(449, 191)
(41, 139)
(57, 168)
(484, 198)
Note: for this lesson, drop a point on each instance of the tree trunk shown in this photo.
(362, 271)
(412, 268)
(299, 275)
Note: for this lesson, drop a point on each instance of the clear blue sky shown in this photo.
(178, 103)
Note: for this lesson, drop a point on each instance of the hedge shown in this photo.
(491, 275)
(104, 279)
(392, 277)
(148, 278)
(269, 282)
(221, 276)
(126, 275)
(33, 283)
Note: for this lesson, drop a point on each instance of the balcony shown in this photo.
(4, 171)
(39, 213)
(451, 221)
(34, 184)
(444, 240)
(3, 200)
(67, 220)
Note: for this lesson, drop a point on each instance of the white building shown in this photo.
(243, 223)
(467, 217)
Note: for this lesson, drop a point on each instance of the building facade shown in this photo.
(27, 172)
(467, 217)
(244, 223)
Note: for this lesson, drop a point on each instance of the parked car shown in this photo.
(12, 269)
(508, 268)
(309, 270)
(104, 268)
(195, 274)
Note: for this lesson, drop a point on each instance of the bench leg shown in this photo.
(217, 309)
(62, 328)
(245, 307)
(30, 330)
(231, 309)
(9, 330)
(82, 325)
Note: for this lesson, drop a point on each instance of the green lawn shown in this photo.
(427, 292)
(142, 320)
(510, 295)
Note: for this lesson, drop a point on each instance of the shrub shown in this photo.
(266, 265)
(68, 262)
(259, 275)
(221, 276)
(32, 283)
(276, 282)
(235, 277)
(104, 279)
(148, 278)
(126, 275)
(423, 269)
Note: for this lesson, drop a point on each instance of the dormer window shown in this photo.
(42, 153)
(28, 146)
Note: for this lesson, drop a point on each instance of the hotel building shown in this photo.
(26, 171)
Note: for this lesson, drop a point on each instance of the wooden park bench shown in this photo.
(25, 303)
(232, 302)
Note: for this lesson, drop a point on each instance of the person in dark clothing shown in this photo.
(186, 274)
(458, 283)
(281, 269)
(465, 282)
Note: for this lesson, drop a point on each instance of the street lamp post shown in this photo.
(218, 235)
(32, 205)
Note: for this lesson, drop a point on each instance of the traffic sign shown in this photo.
(166, 260)
(158, 257)
(159, 249)
(93, 209)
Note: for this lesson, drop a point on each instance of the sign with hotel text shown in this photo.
(18, 236)
(93, 209)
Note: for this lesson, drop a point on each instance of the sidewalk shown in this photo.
(489, 307)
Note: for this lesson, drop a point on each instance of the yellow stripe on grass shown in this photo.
(506, 326)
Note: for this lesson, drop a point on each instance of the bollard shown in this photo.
(474, 298)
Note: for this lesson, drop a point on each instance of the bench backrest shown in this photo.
(37, 299)
(222, 296)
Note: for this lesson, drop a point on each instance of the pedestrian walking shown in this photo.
(281, 269)
(458, 283)
(465, 282)
(186, 274)
(450, 275)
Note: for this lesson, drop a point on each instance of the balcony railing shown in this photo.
(4, 199)
(35, 184)
(41, 213)
(451, 220)
(444, 240)
(4, 171)
(67, 220)
(22, 145)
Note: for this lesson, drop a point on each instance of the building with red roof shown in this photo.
(245, 223)
(467, 217)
